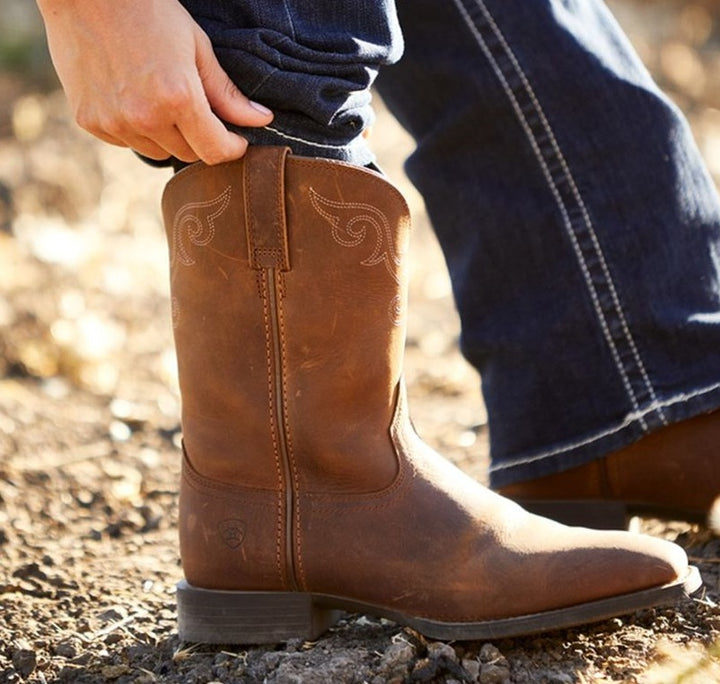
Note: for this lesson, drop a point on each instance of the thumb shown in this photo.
(223, 95)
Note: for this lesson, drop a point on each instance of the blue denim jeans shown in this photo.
(580, 226)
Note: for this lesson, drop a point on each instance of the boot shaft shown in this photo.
(288, 295)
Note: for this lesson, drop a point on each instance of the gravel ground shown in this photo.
(89, 433)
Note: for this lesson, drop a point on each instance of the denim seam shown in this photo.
(289, 16)
(627, 422)
(556, 155)
(310, 143)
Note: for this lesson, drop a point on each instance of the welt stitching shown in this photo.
(581, 205)
(552, 183)
(273, 430)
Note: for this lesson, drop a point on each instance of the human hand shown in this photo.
(142, 74)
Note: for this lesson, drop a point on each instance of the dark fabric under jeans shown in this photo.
(580, 226)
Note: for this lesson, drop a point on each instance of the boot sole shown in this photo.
(246, 617)
(605, 515)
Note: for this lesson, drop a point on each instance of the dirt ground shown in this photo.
(89, 432)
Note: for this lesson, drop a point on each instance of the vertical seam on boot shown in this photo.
(273, 428)
(278, 394)
(297, 546)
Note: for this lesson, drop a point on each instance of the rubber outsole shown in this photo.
(245, 617)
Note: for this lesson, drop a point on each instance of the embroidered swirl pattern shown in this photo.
(353, 223)
(194, 223)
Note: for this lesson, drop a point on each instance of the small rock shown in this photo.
(401, 652)
(30, 570)
(294, 645)
(472, 667)
(113, 614)
(489, 653)
(69, 674)
(147, 678)
(221, 659)
(83, 659)
(439, 650)
(115, 671)
(113, 638)
(24, 661)
(66, 649)
(396, 660)
(494, 674)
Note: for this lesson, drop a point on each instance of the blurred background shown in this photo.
(83, 298)
(89, 433)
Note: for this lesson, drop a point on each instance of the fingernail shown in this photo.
(260, 108)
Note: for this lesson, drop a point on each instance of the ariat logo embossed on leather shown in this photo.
(232, 532)
(194, 224)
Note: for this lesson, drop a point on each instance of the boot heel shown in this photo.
(600, 515)
(249, 617)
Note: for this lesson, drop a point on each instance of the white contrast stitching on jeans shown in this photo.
(629, 420)
(553, 187)
(586, 216)
(306, 142)
(556, 194)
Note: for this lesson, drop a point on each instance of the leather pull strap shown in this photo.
(265, 207)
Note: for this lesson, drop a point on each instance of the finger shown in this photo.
(145, 132)
(149, 148)
(207, 135)
(210, 140)
(224, 97)
(171, 141)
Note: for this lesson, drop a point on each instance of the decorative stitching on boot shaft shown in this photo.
(348, 235)
(349, 223)
(196, 222)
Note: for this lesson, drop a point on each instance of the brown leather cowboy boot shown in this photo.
(305, 489)
(673, 473)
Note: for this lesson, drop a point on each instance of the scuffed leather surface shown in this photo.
(297, 427)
